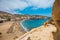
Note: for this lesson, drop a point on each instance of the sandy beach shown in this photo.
(11, 30)
(25, 29)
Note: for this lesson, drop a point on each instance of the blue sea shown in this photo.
(33, 23)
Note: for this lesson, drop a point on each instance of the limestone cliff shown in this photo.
(56, 18)
(44, 32)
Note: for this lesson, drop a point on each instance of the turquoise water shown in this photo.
(33, 23)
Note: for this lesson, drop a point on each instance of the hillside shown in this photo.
(9, 16)
(6, 16)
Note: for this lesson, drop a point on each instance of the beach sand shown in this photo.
(11, 30)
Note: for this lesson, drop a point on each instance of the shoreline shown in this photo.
(25, 29)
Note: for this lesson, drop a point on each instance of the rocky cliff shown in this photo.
(56, 18)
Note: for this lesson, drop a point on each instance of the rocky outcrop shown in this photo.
(56, 18)
(56, 13)
(44, 32)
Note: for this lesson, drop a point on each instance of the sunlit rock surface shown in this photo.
(42, 33)
(56, 18)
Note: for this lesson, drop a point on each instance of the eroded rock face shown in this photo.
(56, 13)
(56, 18)
(42, 33)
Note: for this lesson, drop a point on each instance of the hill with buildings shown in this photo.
(12, 17)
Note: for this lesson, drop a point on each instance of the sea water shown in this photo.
(33, 23)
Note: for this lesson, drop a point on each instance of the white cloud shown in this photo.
(41, 3)
(8, 5)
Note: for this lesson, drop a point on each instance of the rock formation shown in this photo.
(56, 18)
(42, 33)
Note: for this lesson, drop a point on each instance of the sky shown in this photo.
(30, 7)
